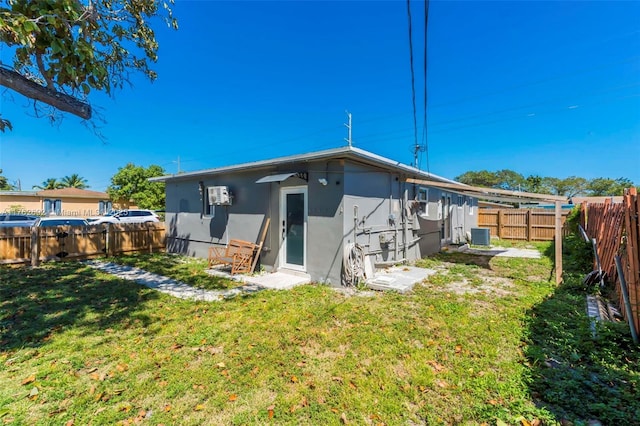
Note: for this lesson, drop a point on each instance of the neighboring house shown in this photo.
(64, 201)
(597, 200)
(321, 205)
(483, 204)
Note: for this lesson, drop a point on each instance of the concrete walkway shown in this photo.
(167, 285)
(501, 252)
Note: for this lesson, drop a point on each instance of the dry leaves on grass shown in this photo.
(28, 380)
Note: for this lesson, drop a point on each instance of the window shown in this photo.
(423, 200)
(470, 202)
(460, 201)
(52, 206)
(104, 207)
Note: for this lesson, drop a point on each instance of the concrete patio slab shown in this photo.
(273, 281)
(277, 280)
(502, 252)
(398, 278)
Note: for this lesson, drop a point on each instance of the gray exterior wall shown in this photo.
(192, 233)
(361, 204)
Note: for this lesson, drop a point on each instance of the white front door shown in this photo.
(293, 228)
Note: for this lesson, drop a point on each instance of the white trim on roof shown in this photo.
(347, 151)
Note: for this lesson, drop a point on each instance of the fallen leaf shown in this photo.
(167, 408)
(233, 397)
(28, 380)
(493, 402)
(270, 411)
(436, 366)
(293, 408)
(220, 365)
(305, 402)
(458, 349)
(337, 379)
(121, 367)
(525, 422)
(214, 350)
(199, 407)
(98, 397)
(69, 422)
(92, 390)
(352, 386)
(162, 383)
(536, 422)
(176, 346)
(294, 379)
(343, 418)
(442, 383)
(33, 394)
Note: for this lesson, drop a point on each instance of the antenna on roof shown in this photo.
(348, 126)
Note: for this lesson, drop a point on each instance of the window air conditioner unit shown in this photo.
(219, 196)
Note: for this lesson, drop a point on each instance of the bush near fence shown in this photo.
(616, 229)
(520, 224)
(32, 245)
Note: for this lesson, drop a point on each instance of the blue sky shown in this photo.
(546, 88)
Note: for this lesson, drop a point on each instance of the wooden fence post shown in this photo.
(500, 222)
(558, 242)
(35, 246)
(149, 239)
(108, 241)
(529, 226)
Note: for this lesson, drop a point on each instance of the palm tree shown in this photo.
(4, 183)
(74, 181)
(51, 183)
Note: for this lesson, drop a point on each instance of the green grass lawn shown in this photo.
(466, 347)
(190, 270)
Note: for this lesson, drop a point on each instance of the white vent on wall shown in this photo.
(219, 196)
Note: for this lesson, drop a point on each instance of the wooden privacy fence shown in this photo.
(520, 224)
(616, 229)
(32, 245)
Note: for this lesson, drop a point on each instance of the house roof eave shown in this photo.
(333, 153)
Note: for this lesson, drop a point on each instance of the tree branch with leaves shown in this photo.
(65, 49)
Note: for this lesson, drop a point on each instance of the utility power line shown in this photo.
(413, 90)
(425, 142)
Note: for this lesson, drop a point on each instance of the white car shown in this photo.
(125, 216)
(52, 221)
(9, 220)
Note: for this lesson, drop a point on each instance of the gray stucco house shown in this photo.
(333, 213)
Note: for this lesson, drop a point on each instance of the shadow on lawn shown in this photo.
(37, 303)
(574, 375)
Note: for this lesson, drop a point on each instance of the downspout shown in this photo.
(395, 219)
(405, 221)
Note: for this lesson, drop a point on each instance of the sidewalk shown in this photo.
(168, 285)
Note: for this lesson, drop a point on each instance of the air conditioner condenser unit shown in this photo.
(219, 196)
